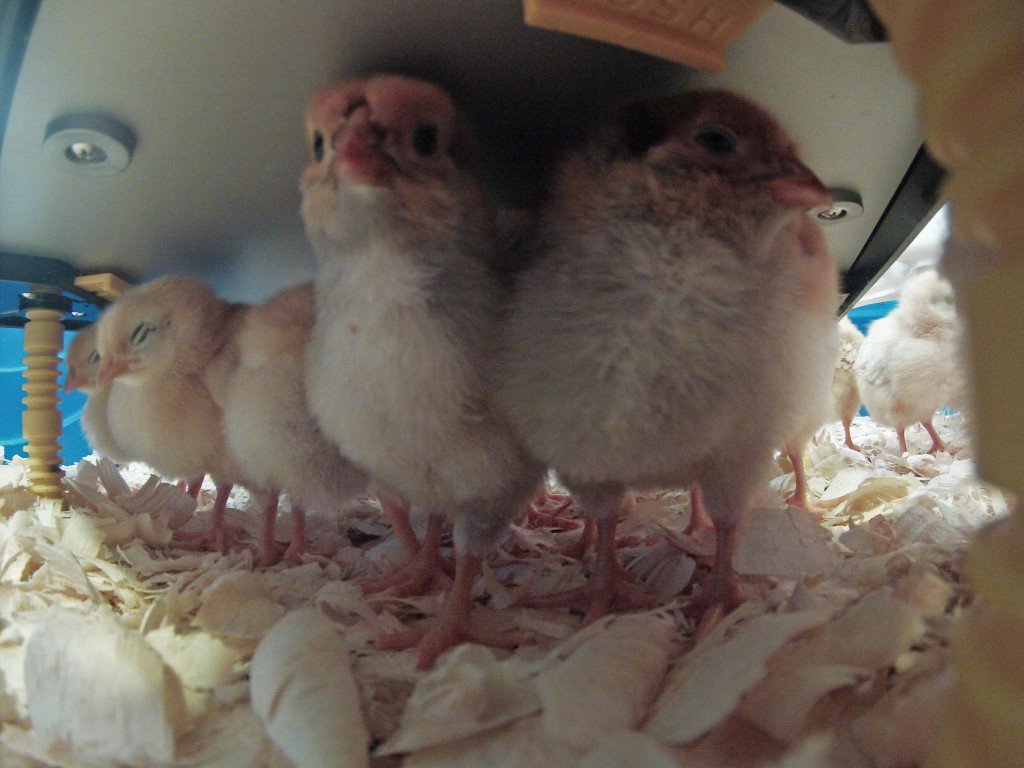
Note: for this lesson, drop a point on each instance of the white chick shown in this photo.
(407, 302)
(814, 380)
(268, 426)
(963, 263)
(905, 368)
(155, 343)
(83, 359)
(812, 390)
(845, 393)
(675, 296)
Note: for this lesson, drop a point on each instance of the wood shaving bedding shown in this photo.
(120, 647)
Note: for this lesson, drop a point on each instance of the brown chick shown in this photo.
(845, 393)
(156, 343)
(677, 291)
(407, 299)
(268, 427)
(906, 367)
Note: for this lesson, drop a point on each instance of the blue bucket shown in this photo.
(12, 367)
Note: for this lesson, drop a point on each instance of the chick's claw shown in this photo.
(425, 568)
(454, 625)
(606, 590)
(297, 546)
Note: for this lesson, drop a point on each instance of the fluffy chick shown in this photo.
(83, 359)
(845, 393)
(676, 294)
(811, 383)
(156, 343)
(905, 368)
(407, 300)
(267, 424)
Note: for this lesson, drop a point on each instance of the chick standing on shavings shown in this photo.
(156, 343)
(267, 424)
(676, 291)
(846, 399)
(408, 296)
(906, 367)
(83, 359)
(811, 384)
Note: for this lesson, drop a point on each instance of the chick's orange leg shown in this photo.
(541, 514)
(546, 498)
(416, 575)
(219, 524)
(578, 549)
(217, 534)
(195, 485)
(799, 498)
(849, 438)
(937, 444)
(266, 555)
(901, 436)
(297, 546)
(396, 511)
(588, 540)
(606, 588)
(700, 521)
(722, 594)
(454, 625)
(607, 583)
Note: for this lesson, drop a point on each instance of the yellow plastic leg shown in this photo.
(41, 421)
(961, 55)
(983, 720)
(993, 308)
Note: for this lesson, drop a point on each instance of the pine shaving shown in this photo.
(837, 657)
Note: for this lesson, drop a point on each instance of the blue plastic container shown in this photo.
(12, 356)
(864, 316)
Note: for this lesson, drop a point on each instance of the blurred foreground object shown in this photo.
(983, 721)
(967, 61)
(692, 32)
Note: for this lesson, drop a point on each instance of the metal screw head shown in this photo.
(832, 214)
(86, 153)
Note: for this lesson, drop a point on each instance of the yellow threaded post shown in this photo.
(41, 421)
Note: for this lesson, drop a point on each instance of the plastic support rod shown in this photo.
(41, 421)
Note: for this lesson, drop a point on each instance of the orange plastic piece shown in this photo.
(692, 32)
(107, 285)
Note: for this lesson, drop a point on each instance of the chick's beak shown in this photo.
(72, 382)
(361, 155)
(110, 369)
(797, 187)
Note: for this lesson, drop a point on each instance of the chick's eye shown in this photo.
(318, 146)
(141, 332)
(94, 358)
(717, 140)
(424, 139)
